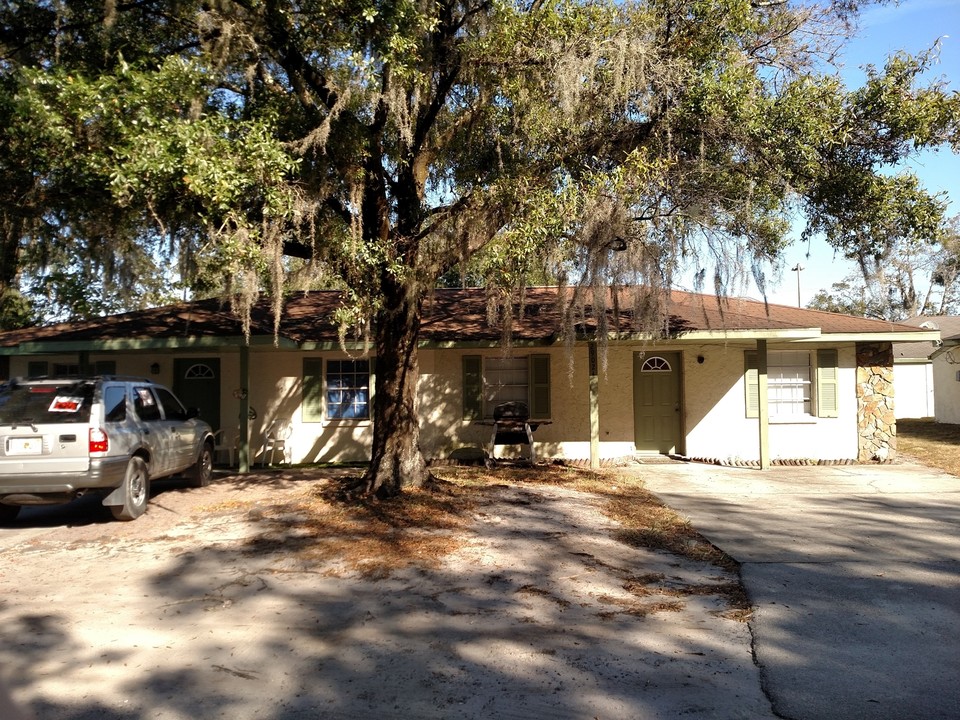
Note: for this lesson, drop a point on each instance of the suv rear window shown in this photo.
(45, 403)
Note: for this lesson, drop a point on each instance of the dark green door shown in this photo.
(656, 402)
(196, 381)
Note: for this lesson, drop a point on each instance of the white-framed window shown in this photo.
(494, 380)
(789, 390)
(505, 380)
(348, 389)
(336, 389)
(800, 384)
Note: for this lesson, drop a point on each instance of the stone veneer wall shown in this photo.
(876, 424)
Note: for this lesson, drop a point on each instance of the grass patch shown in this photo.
(932, 443)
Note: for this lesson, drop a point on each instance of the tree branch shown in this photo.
(304, 78)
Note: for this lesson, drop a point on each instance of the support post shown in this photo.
(594, 407)
(243, 455)
(764, 406)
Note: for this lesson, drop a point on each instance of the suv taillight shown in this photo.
(98, 440)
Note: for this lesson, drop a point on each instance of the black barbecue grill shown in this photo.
(512, 426)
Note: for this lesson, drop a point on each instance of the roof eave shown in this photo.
(786, 334)
(893, 336)
(480, 344)
(44, 347)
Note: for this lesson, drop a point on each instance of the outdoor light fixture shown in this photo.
(155, 368)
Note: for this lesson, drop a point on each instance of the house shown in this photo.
(928, 374)
(734, 380)
(913, 374)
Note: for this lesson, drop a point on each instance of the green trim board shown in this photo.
(205, 343)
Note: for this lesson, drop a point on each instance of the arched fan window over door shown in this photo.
(199, 371)
(655, 364)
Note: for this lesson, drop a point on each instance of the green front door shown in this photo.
(656, 402)
(196, 381)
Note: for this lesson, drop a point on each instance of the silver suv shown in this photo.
(63, 437)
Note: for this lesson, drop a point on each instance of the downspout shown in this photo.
(764, 406)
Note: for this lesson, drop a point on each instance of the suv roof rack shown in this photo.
(75, 378)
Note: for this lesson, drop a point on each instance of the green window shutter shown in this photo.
(472, 387)
(539, 386)
(312, 389)
(828, 401)
(751, 384)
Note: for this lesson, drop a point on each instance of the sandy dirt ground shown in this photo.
(199, 610)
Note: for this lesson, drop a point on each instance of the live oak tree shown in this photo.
(382, 144)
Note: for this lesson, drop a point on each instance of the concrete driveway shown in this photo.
(855, 574)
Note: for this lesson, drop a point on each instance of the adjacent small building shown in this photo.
(928, 373)
(731, 380)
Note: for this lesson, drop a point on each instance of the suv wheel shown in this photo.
(8, 513)
(202, 472)
(136, 491)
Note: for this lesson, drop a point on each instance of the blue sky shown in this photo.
(912, 26)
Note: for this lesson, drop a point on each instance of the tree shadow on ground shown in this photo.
(538, 612)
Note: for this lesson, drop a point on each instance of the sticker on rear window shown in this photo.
(65, 404)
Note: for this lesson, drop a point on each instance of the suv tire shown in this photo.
(136, 491)
(201, 473)
(8, 513)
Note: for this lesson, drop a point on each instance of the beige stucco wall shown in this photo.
(616, 405)
(441, 404)
(714, 421)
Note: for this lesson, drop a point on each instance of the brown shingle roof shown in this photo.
(449, 315)
(948, 325)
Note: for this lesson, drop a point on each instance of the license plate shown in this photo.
(24, 446)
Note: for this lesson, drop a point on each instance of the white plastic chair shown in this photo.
(276, 440)
(222, 445)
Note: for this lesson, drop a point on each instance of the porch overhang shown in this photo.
(783, 334)
(898, 337)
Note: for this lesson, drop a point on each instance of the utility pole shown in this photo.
(798, 268)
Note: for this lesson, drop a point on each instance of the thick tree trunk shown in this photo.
(397, 463)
